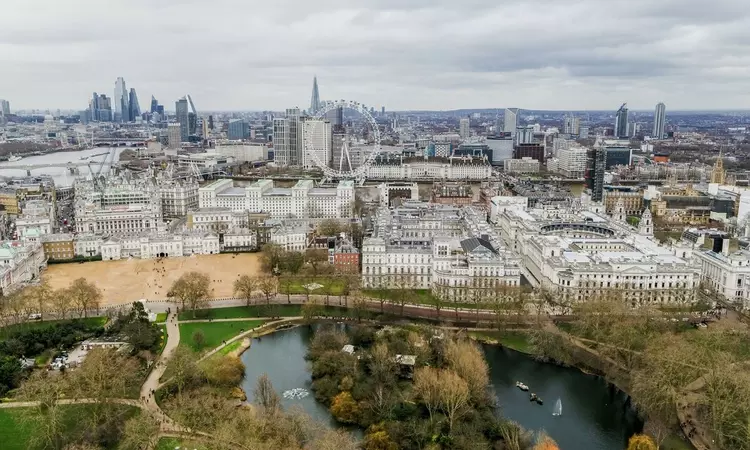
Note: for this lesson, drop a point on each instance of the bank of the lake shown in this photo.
(596, 416)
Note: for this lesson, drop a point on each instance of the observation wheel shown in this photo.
(344, 169)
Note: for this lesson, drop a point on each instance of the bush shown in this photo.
(344, 408)
(224, 371)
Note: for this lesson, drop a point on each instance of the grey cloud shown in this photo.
(406, 54)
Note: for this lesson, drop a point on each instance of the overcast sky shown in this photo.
(403, 54)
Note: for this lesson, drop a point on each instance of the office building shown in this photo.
(238, 130)
(524, 134)
(535, 151)
(399, 167)
(100, 108)
(510, 121)
(618, 156)
(596, 159)
(134, 106)
(727, 273)
(578, 253)
(464, 129)
(303, 200)
(621, 122)
(572, 161)
(183, 118)
(125, 205)
(4, 107)
(174, 135)
(315, 97)
(571, 125)
(154, 105)
(522, 165)
(660, 118)
(439, 247)
(245, 152)
(122, 101)
(178, 196)
(317, 143)
(288, 138)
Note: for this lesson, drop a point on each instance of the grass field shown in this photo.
(214, 332)
(241, 312)
(36, 325)
(515, 340)
(130, 280)
(172, 443)
(161, 317)
(330, 286)
(15, 432)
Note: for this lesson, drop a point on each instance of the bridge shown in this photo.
(119, 142)
(71, 166)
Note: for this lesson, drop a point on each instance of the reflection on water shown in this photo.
(596, 416)
(61, 175)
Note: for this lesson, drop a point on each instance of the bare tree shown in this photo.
(454, 396)
(141, 431)
(427, 388)
(184, 367)
(192, 290)
(246, 286)
(268, 286)
(266, 396)
(61, 302)
(84, 296)
(466, 359)
(41, 297)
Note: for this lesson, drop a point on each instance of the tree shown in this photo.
(46, 418)
(141, 334)
(84, 296)
(334, 440)
(266, 397)
(427, 389)
(641, 442)
(41, 297)
(268, 286)
(199, 338)
(245, 286)
(466, 360)
(184, 367)
(271, 257)
(140, 431)
(292, 262)
(224, 371)
(344, 408)
(10, 373)
(192, 290)
(453, 394)
(382, 365)
(377, 438)
(315, 258)
(61, 302)
(545, 442)
(329, 227)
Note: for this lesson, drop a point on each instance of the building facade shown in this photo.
(522, 165)
(303, 200)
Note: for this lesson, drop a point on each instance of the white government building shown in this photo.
(428, 246)
(20, 262)
(452, 168)
(301, 201)
(159, 245)
(581, 253)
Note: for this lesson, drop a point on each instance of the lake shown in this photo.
(595, 415)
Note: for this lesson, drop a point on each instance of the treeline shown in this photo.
(670, 369)
(78, 299)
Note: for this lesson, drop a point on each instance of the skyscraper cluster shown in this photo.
(100, 108)
(123, 107)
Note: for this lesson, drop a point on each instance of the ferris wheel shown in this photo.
(344, 169)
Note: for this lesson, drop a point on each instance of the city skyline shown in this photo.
(688, 59)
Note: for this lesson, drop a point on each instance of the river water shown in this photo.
(61, 175)
(595, 415)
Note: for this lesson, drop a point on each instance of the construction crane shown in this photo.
(96, 172)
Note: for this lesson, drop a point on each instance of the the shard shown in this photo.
(315, 98)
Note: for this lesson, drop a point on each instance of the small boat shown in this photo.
(539, 401)
(532, 397)
(14, 158)
(521, 386)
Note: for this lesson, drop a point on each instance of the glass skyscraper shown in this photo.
(182, 113)
(121, 99)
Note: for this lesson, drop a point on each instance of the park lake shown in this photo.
(596, 416)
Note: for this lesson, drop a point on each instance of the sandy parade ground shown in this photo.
(134, 279)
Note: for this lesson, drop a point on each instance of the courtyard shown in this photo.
(129, 280)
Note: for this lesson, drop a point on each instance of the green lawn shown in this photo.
(241, 312)
(419, 296)
(161, 317)
(164, 336)
(172, 443)
(674, 442)
(214, 332)
(330, 286)
(89, 321)
(515, 340)
(15, 432)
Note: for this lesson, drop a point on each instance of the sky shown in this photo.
(401, 54)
